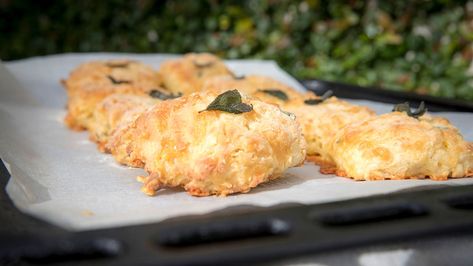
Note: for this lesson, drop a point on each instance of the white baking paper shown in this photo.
(58, 174)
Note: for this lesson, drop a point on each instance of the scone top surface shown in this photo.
(261, 87)
(397, 146)
(211, 152)
(186, 75)
(112, 75)
(320, 122)
(89, 83)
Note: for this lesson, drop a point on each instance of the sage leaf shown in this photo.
(163, 96)
(122, 64)
(405, 107)
(230, 102)
(116, 81)
(324, 97)
(238, 77)
(276, 93)
(203, 65)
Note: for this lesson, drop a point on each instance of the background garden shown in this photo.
(421, 46)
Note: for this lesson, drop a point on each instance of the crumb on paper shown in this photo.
(87, 213)
(140, 179)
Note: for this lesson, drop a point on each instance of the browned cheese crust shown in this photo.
(187, 74)
(210, 152)
(321, 122)
(114, 112)
(91, 82)
(396, 146)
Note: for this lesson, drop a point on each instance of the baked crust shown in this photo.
(187, 74)
(396, 146)
(91, 82)
(209, 152)
(114, 112)
(215, 152)
(321, 122)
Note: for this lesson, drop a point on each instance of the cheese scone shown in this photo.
(397, 146)
(320, 123)
(91, 82)
(187, 74)
(261, 87)
(182, 142)
(115, 111)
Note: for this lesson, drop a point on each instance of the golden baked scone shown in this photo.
(187, 74)
(397, 146)
(320, 122)
(115, 111)
(89, 83)
(182, 142)
(261, 87)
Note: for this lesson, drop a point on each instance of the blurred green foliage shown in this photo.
(421, 46)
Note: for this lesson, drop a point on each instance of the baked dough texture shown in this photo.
(255, 85)
(187, 74)
(209, 152)
(114, 112)
(321, 122)
(91, 82)
(397, 146)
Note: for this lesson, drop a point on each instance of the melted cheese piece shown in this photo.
(210, 152)
(396, 146)
(91, 82)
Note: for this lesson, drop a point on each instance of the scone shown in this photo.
(187, 74)
(320, 118)
(321, 122)
(261, 87)
(397, 146)
(115, 111)
(91, 82)
(210, 143)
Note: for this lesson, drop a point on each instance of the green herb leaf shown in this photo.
(238, 77)
(163, 96)
(276, 93)
(203, 65)
(116, 81)
(122, 64)
(230, 102)
(405, 107)
(324, 97)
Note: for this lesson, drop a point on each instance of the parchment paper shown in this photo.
(59, 175)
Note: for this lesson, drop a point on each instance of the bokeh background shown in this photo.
(420, 46)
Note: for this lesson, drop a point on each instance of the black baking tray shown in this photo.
(342, 90)
(246, 235)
